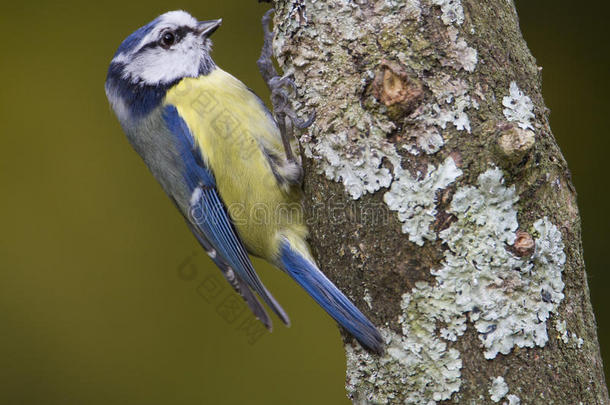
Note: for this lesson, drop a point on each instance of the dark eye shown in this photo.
(168, 39)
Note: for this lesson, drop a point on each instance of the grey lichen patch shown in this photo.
(356, 161)
(425, 138)
(508, 298)
(452, 112)
(560, 326)
(352, 33)
(412, 7)
(368, 299)
(352, 146)
(518, 107)
(565, 336)
(499, 390)
(512, 400)
(459, 54)
(452, 102)
(425, 302)
(414, 198)
(416, 362)
(452, 11)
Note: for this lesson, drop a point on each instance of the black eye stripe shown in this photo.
(179, 34)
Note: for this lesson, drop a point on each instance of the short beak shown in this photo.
(207, 28)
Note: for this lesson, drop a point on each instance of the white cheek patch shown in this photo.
(158, 65)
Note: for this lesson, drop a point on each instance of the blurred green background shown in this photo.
(105, 298)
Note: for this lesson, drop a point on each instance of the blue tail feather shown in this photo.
(328, 296)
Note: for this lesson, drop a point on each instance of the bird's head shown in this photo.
(155, 57)
(173, 46)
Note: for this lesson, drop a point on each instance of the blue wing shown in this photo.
(208, 217)
(238, 284)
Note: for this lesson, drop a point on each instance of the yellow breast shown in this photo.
(229, 123)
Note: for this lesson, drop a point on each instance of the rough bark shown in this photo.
(439, 201)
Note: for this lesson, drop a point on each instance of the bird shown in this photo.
(217, 152)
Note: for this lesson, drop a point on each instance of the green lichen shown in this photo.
(518, 107)
(414, 362)
(508, 298)
(415, 198)
(452, 11)
(342, 142)
(567, 337)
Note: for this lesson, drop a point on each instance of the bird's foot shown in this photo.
(285, 115)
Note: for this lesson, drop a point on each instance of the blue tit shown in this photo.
(218, 154)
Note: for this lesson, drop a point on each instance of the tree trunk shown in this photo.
(439, 201)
